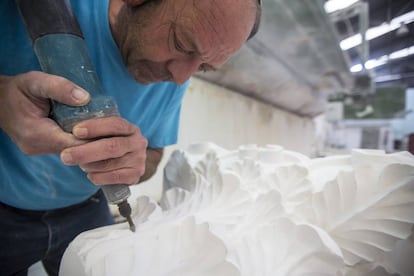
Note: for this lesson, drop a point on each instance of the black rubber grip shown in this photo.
(43, 17)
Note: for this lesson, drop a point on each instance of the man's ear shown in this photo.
(134, 3)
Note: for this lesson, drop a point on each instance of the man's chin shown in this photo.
(144, 79)
(139, 78)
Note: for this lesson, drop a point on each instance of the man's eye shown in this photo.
(179, 47)
(206, 67)
(177, 44)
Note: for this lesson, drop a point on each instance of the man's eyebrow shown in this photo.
(188, 39)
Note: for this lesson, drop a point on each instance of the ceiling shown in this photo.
(394, 72)
(294, 62)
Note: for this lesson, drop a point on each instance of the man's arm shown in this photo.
(154, 156)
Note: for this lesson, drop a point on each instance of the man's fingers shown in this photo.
(123, 176)
(54, 87)
(102, 149)
(104, 127)
(111, 164)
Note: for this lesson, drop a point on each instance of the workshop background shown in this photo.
(321, 77)
(311, 82)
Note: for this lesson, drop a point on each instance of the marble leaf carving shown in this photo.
(366, 218)
(176, 249)
(285, 248)
(264, 211)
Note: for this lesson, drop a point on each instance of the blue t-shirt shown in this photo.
(42, 182)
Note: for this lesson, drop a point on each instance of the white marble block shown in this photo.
(263, 210)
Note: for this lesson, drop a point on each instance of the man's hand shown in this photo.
(116, 152)
(24, 111)
(110, 150)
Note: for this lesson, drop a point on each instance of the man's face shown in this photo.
(170, 40)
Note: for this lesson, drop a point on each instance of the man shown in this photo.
(144, 56)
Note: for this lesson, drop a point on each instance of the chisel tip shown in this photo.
(125, 211)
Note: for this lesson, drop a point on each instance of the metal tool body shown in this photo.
(61, 50)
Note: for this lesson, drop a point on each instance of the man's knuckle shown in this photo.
(28, 82)
(134, 177)
(116, 177)
(135, 145)
(113, 146)
(133, 129)
(140, 170)
(141, 144)
(121, 126)
(106, 164)
(127, 126)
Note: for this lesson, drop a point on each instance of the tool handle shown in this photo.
(66, 55)
(61, 50)
(43, 17)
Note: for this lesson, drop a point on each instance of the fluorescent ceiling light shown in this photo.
(370, 64)
(402, 53)
(373, 63)
(356, 68)
(380, 30)
(334, 5)
(388, 78)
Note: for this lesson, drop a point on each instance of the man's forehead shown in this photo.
(207, 46)
(213, 30)
(209, 30)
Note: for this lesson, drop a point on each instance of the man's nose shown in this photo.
(183, 68)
